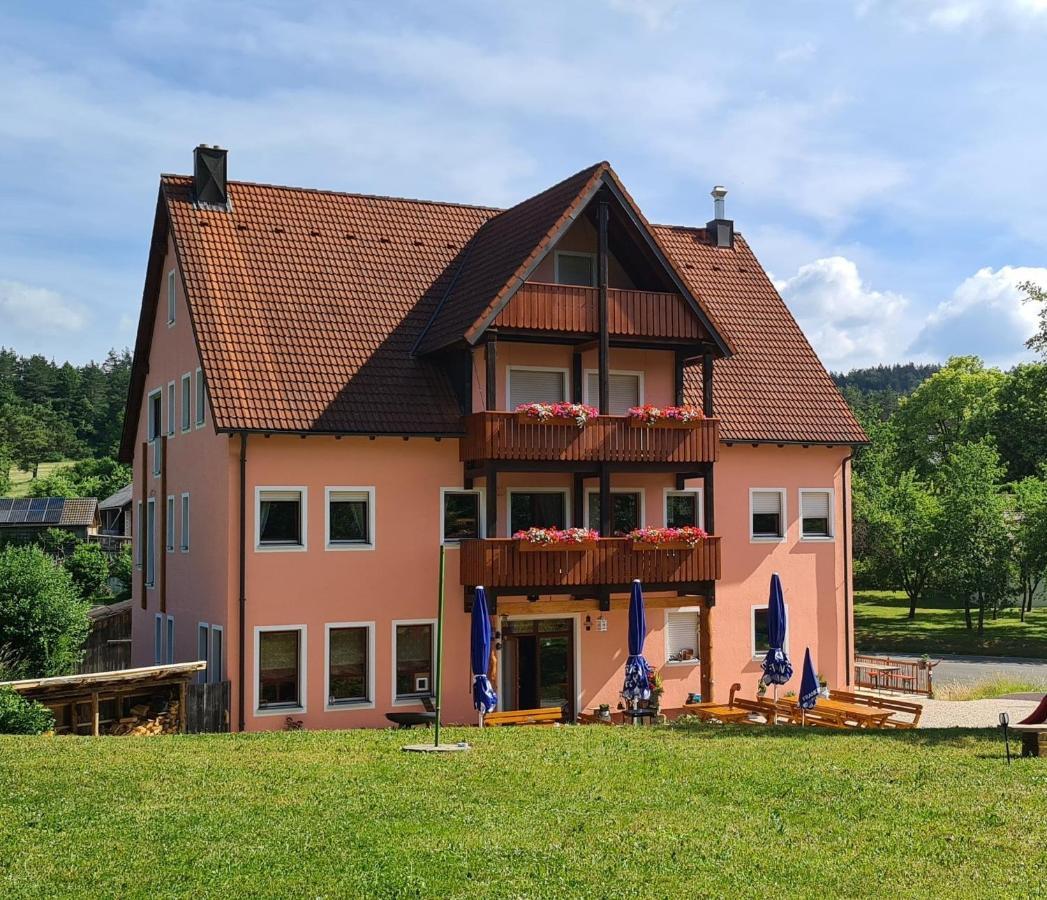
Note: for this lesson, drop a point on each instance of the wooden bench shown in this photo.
(1034, 738)
(708, 712)
(547, 715)
(898, 708)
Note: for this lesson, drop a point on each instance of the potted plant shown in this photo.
(649, 416)
(823, 686)
(556, 413)
(924, 661)
(603, 711)
(685, 538)
(657, 688)
(761, 690)
(550, 540)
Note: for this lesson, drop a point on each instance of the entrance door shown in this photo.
(538, 664)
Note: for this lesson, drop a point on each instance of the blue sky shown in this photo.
(885, 158)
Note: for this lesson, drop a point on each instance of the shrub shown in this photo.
(43, 620)
(89, 566)
(57, 542)
(21, 716)
(122, 567)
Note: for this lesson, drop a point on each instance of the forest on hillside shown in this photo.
(876, 391)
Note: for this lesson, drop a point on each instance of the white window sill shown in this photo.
(336, 546)
(684, 662)
(280, 711)
(761, 539)
(818, 538)
(348, 705)
(408, 701)
(279, 548)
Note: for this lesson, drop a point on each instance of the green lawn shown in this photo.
(20, 478)
(582, 811)
(881, 624)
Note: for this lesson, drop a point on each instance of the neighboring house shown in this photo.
(23, 521)
(108, 644)
(115, 512)
(323, 391)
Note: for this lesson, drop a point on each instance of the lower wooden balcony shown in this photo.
(504, 567)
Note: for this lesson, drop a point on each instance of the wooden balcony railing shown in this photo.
(505, 435)
(537, 306)
(499, 563)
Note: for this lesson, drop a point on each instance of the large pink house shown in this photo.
(323, 393)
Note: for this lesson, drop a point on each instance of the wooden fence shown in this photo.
(207, 707)
(108, 644)
(882, 673)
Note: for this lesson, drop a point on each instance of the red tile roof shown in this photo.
(307, 305)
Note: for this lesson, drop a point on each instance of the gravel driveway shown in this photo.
(971, 713)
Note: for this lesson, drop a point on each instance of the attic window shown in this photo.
(578, 269)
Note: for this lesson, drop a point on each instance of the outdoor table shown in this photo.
(706, 711)
(638, 715)
(864, 716)
(876, 669)
(410, 719)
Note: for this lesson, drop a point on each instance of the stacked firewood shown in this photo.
(142, 722)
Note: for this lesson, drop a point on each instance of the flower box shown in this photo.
(556, 540)
(665, 416)
(668, 545)
(665, 423)
(684, 538)
(555, 413)
(557, 547)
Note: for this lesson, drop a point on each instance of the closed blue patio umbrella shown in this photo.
(776, 666)
(484, 697)
(808, 683)
(637, 669)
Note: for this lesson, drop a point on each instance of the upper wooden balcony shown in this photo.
(537, 306)
(502, 564)
(507, 436)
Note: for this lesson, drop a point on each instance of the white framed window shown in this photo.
(187, 402)
(627, 510)
(280, 653)
(816, 514)
(201, 395)
(461, 515)
(203, 648)
(170, 652)
(767, 514)
(185, 523)
(158, 640)
(760, 642)
(625, 388)
(169, 523)
(349, 518)
(535, 384)
(281, 517)
(155, 413)
(414, 655)
(138, 535)
(171, 409)
(538, 508)
(150, 543)
(172, 298)
(683, 508)
(216, 661)
(681, 636)
(349, 665)
(575, 268)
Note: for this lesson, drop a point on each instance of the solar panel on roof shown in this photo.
(5, 511)
(36, 512)
(19, 510)
(53, 515)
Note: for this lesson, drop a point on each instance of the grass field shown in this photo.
(20, 478)
(881, 624)
(583, 811)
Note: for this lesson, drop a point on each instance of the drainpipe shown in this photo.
(243, 577)
(848, 571)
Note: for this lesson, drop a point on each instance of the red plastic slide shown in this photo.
(1038, 716)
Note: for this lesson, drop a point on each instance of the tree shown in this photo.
(121, 567)
(21, 716)
(956, 405)
(1028, 528)
(89, 567)
(43, 621)
(972, 523)
(1021, 420)
(1036, 294)
(86, 478)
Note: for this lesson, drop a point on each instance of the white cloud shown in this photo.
(797, 53)
(37, 311)
(955, 14)
(985, 315)
(848, 323)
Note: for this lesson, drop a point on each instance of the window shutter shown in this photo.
(814, 505)
(767, 503)
(530, 386)
(682, 635)
(624, 391)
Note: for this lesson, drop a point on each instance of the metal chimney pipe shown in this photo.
(718, 194)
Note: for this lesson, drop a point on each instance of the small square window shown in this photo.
(681, 636)
(461, 515)
(682, 509)
(414, 660)
(816, 514)
(349, 518)
(578, 269)
(767, 514)
(280, 519)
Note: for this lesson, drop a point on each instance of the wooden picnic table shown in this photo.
(863, 716)
(707, 711)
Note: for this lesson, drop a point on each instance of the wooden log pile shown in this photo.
(142, 722)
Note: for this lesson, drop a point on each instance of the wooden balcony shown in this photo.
(506, 436)
(537, 306)
(500, 565)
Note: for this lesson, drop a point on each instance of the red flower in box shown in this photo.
(688, 534)
(579, 413)
(547, 536)
(652, 415)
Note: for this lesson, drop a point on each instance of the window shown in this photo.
(150, 543)
(413, 653)
(187, 401)
(767, 514)
(169, 525)
(528, 385)
(138, 536)
(203, 643)
(816, 514)
(683, 508)
(575, 268)
(460, 515)
(217, 659)
(172, 297)
(170, 657)
(200, 394)
(185, 523)
(158, 639)
(537, 509)
(350, 655)
(625, 389)
(170, 408)
(626, 511)
(350, 518)
(280, 523)
(155, 414)
(281, 677)
(681, 636)
(761, 636)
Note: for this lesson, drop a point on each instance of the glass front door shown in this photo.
(538, 664)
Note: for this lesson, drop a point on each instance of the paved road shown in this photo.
(965, 669)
